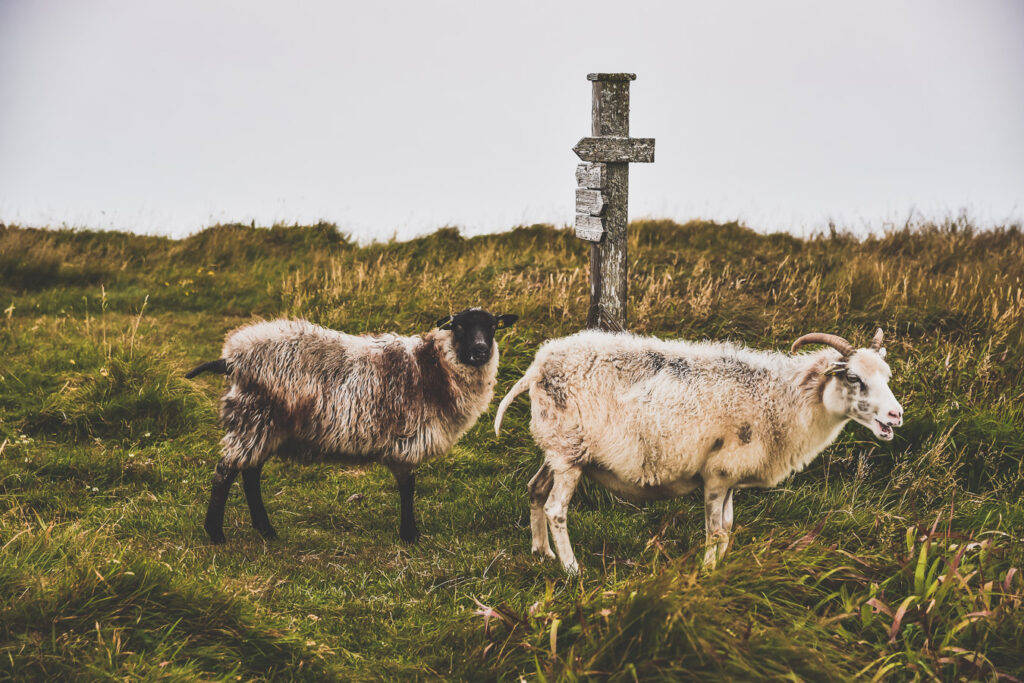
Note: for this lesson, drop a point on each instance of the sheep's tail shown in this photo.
(532, 373)
(219, 366)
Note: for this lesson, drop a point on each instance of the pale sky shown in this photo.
(395, 118)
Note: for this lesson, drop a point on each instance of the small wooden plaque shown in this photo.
(590, 228)
(590, 176)
(589, 202)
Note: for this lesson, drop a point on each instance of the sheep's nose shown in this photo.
(479, 350)
(896, 415)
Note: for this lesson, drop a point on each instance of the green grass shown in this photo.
(882, 560)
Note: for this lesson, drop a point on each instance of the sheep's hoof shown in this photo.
(716, 549)
(216, 537)
(268, 534)
(544, 553)
(572, 569)
(710, 561)
(409, 535)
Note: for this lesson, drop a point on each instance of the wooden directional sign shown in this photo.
(590, 176)
(602, 195)
(590, 228)
(589, 202)
(615, 149)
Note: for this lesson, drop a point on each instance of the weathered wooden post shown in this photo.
(602, 196)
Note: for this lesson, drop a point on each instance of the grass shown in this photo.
(893, 561)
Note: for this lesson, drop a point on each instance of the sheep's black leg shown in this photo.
(223, 478)
(407, 530)
(258, 513)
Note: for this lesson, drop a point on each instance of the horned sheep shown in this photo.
(652, 419)
(301, 390)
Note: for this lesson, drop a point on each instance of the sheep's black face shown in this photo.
(473, 334)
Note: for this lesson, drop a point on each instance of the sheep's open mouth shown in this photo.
(884, 430)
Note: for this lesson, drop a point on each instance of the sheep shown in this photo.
(301, 391)
(652, 419)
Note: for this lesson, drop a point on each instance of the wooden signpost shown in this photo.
(602, 196)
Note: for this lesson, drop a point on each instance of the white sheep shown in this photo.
(300, 390)
(652, 419)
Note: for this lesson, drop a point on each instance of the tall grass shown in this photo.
(883, 560)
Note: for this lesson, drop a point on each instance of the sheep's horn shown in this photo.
(835, 341)
(876, 341)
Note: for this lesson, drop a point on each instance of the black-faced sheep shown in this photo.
(300, 390)
(654, 419)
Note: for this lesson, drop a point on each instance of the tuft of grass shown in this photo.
(73, 610)
(88, 381)
(948, 606)
(891, 560)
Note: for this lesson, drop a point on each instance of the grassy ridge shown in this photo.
(891, 560)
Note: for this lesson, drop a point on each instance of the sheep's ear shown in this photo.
(445, 323)
(881, 352)
(507, 320)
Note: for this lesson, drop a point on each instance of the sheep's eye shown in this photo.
(852, 379)
(458, 328)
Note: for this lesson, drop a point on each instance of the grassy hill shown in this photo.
(891, 560)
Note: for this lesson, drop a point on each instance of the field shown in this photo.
(893, 561)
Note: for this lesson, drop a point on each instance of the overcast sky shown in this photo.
(394, 118)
